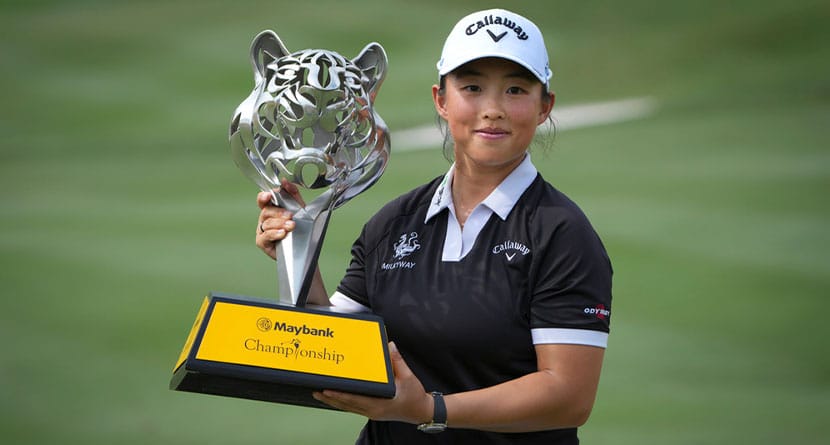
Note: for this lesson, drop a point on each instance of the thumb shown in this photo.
(263, 199)
(399, 366)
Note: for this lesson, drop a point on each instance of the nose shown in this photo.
(493, 109)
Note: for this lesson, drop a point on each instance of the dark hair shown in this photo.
(545, 141)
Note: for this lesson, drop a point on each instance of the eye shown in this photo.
(471, 88)
(516, 90)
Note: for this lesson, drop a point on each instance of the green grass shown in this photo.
(121, 207)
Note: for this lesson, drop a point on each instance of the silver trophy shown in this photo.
(309, 135)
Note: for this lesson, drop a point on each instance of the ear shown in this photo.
(440, 100)
(265, 48)
(373, 62)
(547, 107)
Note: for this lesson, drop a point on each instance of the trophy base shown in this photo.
(253, 349)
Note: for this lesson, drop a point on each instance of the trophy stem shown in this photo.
(297, 256)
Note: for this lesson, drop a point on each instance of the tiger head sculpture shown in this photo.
(310, 121)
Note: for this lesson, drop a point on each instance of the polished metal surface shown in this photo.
(309, 135)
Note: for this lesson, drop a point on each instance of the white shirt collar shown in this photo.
(500, 201)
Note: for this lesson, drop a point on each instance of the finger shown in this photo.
(318, 396)
(279, 223)
(263, 200)
(339, 400)
(266, 245)
(269, 224)
(269, 236)
(274, 212)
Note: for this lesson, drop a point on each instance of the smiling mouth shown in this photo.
(492, 132)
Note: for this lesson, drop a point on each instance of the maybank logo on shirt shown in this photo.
(510, 249)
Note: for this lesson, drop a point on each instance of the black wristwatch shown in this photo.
(439, 416)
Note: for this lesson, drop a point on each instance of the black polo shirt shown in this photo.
(540, 275)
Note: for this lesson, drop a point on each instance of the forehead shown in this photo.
(493, 67)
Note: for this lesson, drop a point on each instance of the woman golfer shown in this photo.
(494, 287)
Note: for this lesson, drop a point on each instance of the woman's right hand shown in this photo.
(273, 225)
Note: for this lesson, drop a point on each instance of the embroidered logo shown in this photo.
(439, 194)
(489, 20)
(406, 245)
(510, 249)
(599, 311)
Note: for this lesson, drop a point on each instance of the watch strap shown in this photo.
(439, 415)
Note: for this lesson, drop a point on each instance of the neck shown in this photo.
(471, 184)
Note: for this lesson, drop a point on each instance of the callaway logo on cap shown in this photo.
(496, 33)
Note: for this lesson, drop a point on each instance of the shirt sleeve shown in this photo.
(345, 304)
(571, 300)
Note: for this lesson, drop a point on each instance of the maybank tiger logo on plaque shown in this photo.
(308, 135)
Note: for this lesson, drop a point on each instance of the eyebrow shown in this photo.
(520, 74)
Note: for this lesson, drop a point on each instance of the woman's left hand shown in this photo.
(411, 404)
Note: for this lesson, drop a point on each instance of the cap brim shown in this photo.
(447, 68)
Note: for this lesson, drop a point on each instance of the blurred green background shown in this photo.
(121, 207)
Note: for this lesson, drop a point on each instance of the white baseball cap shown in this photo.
(496, 33)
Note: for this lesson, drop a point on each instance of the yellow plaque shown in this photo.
(285, 338)
(243, 347)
